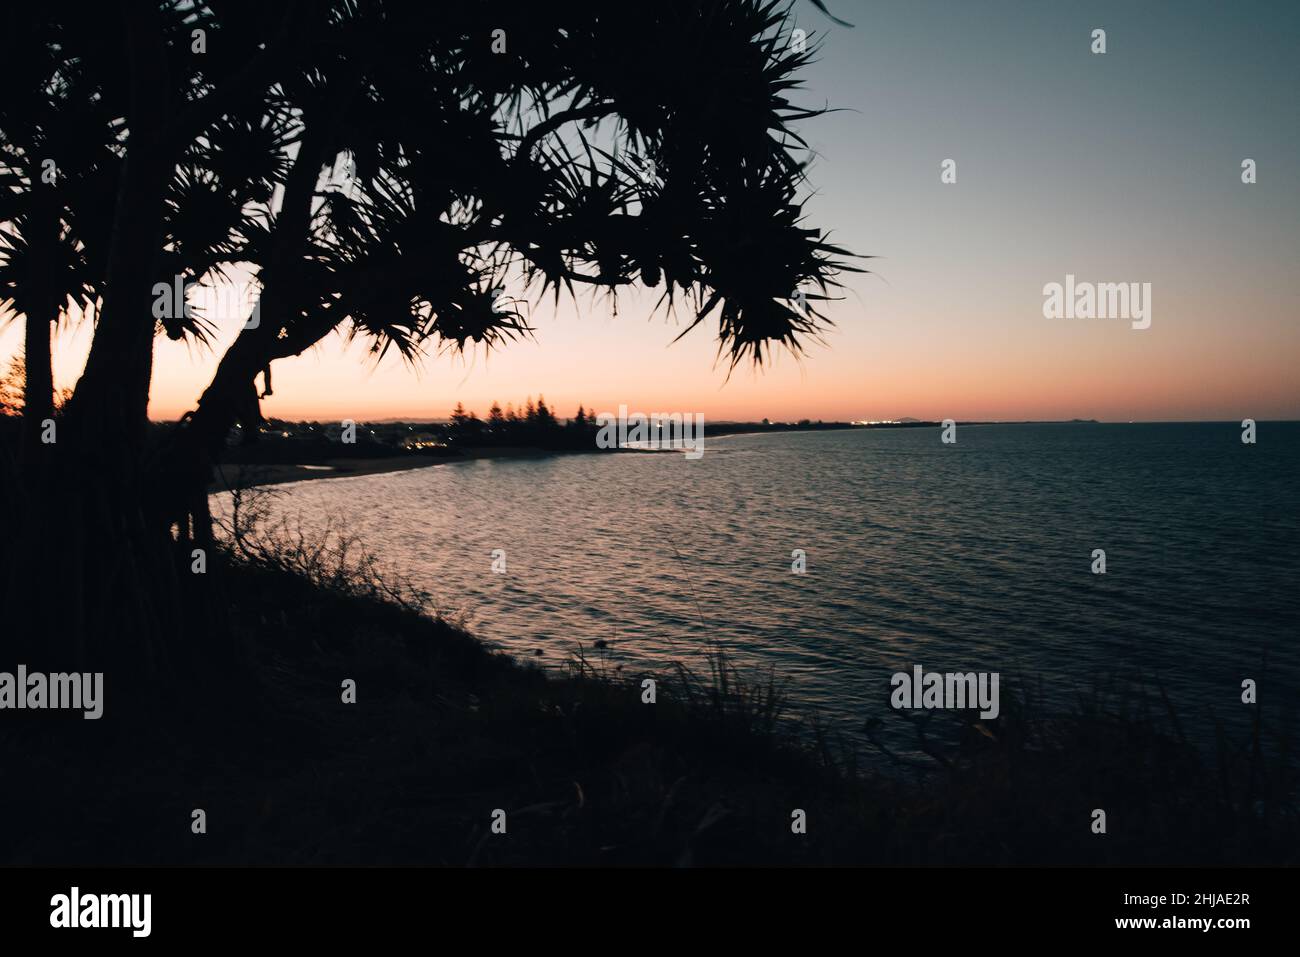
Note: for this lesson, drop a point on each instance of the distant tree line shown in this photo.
(535, 426)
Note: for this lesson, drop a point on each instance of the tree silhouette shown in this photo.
(56, 167)
(544, 431)
(387, 174)
(64, 140)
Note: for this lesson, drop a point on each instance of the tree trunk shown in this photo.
(42, 299)
(111, 401)
(119, 597)
(197, 445)
(38, 390)
(109, 409)
(178, 486)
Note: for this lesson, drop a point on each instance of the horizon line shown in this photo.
(857, 423)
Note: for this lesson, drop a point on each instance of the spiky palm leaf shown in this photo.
(528, 155)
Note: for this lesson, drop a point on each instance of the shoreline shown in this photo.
(230, 475)
(226, 478)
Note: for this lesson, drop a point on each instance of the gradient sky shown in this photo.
(1123, 167)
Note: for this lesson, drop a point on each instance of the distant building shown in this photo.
(423, 440)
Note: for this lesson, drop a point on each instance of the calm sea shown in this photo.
(976, 556)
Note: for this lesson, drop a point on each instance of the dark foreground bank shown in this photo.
(446, 739)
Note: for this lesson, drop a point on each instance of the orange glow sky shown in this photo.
(1116, 168)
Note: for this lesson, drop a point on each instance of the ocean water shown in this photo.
(975, 556)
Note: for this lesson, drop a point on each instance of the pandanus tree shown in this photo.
(190, 71)
(57, 162)
(74, 133)
(74, 219)
(544, 147)
(399, 169)
(57, 217)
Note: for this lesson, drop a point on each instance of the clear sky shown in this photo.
(1122, 167)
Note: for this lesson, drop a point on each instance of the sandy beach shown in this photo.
(227, 477)
(231, 476)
